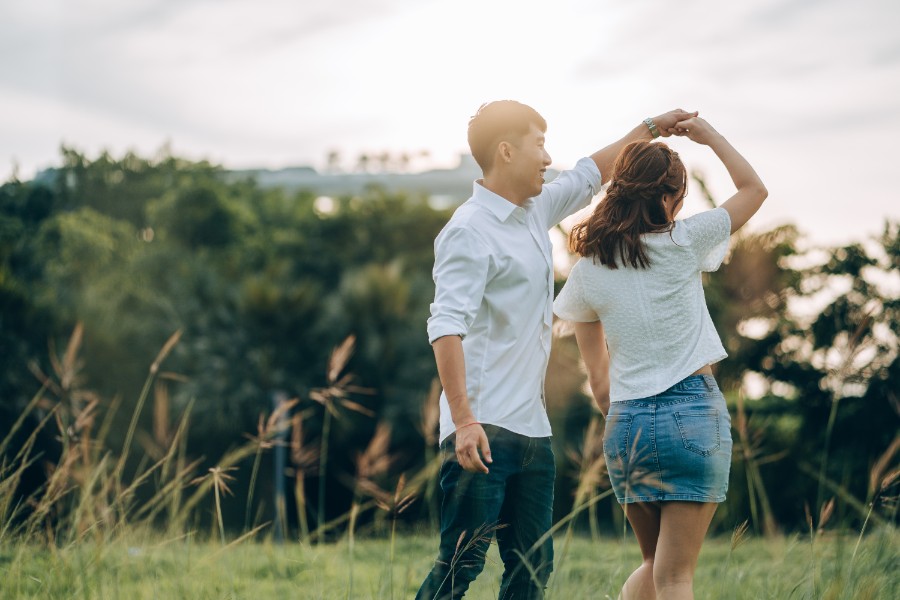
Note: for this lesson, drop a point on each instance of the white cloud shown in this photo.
(809, 90)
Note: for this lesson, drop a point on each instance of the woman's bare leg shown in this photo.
(644, 518)
(683, 526)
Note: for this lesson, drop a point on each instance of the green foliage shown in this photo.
(263, 285)
(819, 330)
(25, 324)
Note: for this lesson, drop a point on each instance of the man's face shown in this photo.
(529, 162)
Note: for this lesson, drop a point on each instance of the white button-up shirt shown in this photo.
(493, 275)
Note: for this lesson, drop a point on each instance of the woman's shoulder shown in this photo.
(684, 231)
(578, 268)
(586, 266)
(706, 222)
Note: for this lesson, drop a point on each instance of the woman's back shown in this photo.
(667, 435)
(657, 326)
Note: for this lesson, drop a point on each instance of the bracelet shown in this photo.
(652, 127)
(467, 424)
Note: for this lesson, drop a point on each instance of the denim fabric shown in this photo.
(672, 446)
(514, 502)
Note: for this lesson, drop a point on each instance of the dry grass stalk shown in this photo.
(750, 445)
(269, 433)
(825, 514)
(431, 414)
(375, 459)
(164, 352)
(880, 486)
(591, 465)
(339, 387)
(590, 461)
(161, 426)
(590, 478)
(738, 535)
(429, 428)
(471, 549)
(372, 464)
(635, 468)
(330, 397)
(304, 457)
(268, 429)
(154, 368)
(218, 478)
(877, 475)
(306, 462)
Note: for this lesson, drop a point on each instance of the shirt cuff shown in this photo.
(592, 171)
(439, 327)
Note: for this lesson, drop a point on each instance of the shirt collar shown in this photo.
(500, 206)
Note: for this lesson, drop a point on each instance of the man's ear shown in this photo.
(504, 152)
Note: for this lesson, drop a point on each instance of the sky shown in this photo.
(807, 90)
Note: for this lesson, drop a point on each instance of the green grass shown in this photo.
(85, 535)
(786, 567)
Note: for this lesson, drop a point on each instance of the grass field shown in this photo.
(786, 567)
(86, 534)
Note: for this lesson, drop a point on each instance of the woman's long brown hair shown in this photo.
(642, 174)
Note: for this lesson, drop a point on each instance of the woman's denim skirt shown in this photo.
(672, 446)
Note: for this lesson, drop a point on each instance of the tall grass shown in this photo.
(142, 565)
(84, 532)
(332, 398)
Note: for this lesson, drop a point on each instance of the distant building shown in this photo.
(445, 187)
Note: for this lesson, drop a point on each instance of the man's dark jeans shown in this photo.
(514, 502)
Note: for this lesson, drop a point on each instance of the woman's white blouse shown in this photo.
(657, 326)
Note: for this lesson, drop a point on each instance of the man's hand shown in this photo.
(469, 440)
(666, 123)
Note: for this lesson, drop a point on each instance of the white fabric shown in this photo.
(493, 275)
(657, 326)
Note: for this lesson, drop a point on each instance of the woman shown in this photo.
(646, 337)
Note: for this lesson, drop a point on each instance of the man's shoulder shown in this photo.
(468, 222)
(470, 216)
(464, 212)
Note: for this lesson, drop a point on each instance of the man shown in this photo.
(490, 329)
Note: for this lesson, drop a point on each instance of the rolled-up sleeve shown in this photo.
(571, 191)
(461, 266)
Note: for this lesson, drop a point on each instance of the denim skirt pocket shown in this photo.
(616, 436)
(699, 430)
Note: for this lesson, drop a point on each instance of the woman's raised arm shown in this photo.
(750, 189)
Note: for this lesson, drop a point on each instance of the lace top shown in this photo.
(656, 322)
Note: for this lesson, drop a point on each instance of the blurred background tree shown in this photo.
(264, 285)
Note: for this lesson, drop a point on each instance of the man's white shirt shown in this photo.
(493, 274)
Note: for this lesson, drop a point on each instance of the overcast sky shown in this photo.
(808, 90)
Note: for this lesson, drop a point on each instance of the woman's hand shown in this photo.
(666, 123)
(750, 189)
(697, 130)
(602, 403)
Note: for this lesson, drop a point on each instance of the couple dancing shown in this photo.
(642, 328)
